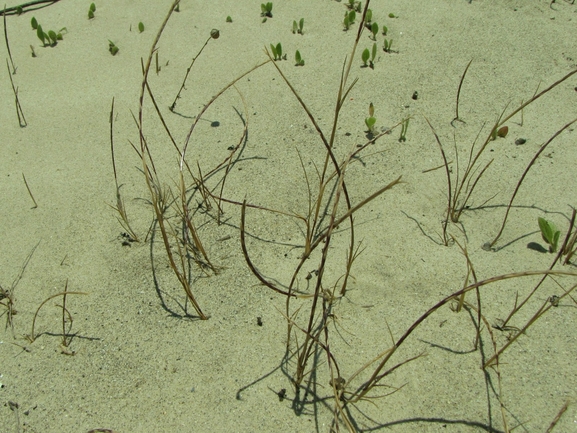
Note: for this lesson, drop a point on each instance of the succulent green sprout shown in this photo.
(371, 120)
(385, 30)
(374, 30)
(228, 19)
(140, 27)
(369, 17)
(34, 23)
(91, 11)
(112, 48)
(365, 56)
(41, 35)
(387, 45)
(549, 233)
(52, 37)
(298, 59)
(276, 51)
(266, 10)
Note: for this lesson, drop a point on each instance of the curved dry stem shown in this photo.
(541, 149)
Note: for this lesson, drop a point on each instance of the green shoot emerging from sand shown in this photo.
(371, 120)
(140, 27)
(298, 59)
(266, 10)
(349, 19)
(91, 11)
(277, 52)
(374, 30)
(112, 48)
(549, 233)
(298, 28)
(387, 45)
(369, 56)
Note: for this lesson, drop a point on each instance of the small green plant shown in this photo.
(228, 19)
(387, 45)
(140, 27)
(404, 127)
(365, 56)
(298, 28)
(277, 52)
(51, 38)
(354, 5)
(385, 30)
(349, 19)
(369, 56)
(392, 15)
(549, 233)
(298, 59)
(112, 48)
(371, 120)
(368, 18)
(266, 10)
(91, 11)
(374, 30)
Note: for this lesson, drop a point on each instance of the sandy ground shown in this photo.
(141, 363)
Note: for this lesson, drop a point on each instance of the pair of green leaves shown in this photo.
(349, 19)
(91, 11)
(266, 10)
(369, 56)
(298, 28)
(277, 52)
(549, 233)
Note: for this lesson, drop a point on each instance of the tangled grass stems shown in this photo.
(461, 188)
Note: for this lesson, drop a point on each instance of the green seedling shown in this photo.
(387, 45)
(374, 30)
(41, 35)
(53, 37)
(392, 15)
(354, 5)
(368, 18)
(91, 11)
(549, 233)
(277, 52)
(112, 48)
(385, 30)
(349, 19)
(34, 23)
(140, 27)
(369, 56)
(228, 19)
(365, 56)
(298, 28)
(371, 120)
(266, 10)
(404, 127)
(298, 59)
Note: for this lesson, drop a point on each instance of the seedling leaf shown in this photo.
(41, 35)
(140, 27)
(549, 233)
(34, 23)
(365, 56)
(52, 36)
